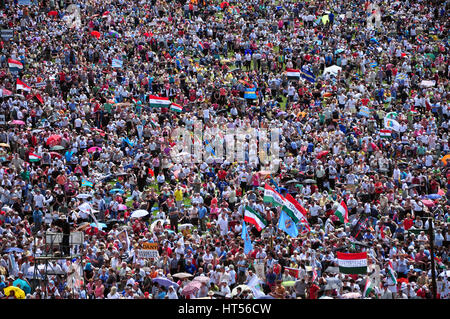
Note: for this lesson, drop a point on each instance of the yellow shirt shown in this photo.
(178, 195)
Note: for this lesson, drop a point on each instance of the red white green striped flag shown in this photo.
(156, 101)
(254, 218)
(154, 122)
(342, 212)
(368, 287)
(391, 272)
(176, 107)
(295, 211)
(385, 133)
(34, 158)
(272, 196)
(352, 263)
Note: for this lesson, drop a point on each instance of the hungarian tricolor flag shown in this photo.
(156, 101)
(154, 122)
(254, 218)
(34, 158)
(175, 107)
(15, 65)
(295, 211)
(342, 212)
(293, 74)
(272, 196)
(352, 263)
(22, 86)
(385, 133)
(368, 287)
(391, 272)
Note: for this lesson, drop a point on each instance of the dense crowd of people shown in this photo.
(83, 148)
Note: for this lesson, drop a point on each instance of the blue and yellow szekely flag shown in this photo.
(248, 246)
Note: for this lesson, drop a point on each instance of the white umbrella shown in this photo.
(139, 213)
(234, 292)
(184, 226)
(85, 207)
(84, 196)
(334, 69)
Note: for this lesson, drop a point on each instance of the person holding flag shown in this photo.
(391, 278)
(342, 212)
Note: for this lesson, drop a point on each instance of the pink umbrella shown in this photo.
(202, 279)
(122, 207)
(191, 288)
(54, 140)
(18, 122)
(94, 149)
(322, 154)
(428, 202)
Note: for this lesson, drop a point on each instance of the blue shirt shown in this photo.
(202, 212)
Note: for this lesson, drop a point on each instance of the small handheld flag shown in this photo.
(86, 183)
(116, 63)
(176, 108)
(248, 246)
(342, 212)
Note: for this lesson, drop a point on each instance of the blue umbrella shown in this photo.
(165, 282)
(17, 250)
(118, 190)
(434, 196)
(101, 225)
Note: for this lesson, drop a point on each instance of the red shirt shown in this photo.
(313, 291)
(408, 223)
(222, 174)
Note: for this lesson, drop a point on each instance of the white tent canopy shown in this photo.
(333, 70)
